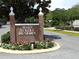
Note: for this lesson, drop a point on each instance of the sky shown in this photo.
(63, 4)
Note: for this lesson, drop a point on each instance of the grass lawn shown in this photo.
(64, 32)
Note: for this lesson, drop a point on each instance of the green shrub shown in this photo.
(5, 38)
(26, 47)
(23, 47)
(16, 47)
(40, 45)
(31, 20)
(6, 46)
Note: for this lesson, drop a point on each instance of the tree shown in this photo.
(58, 17)
(26, 8)
(62, 17)
(73, 13)
(48, 19)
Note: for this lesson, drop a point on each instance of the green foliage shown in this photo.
(30, 20)
(44, 45)
(49, 16)
(6, 46)
(24, 8)
(62, 17)
(48, 19)
(3, 20)
(26, 47)
(5, 38)
(40, 45)
(16, 47)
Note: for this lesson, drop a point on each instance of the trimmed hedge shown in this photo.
(5, 38)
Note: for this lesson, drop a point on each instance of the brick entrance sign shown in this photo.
(26, 33)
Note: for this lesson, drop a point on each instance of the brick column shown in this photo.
(41, 24)
(12, 26)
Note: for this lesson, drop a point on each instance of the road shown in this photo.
(4, 29)
(69, 49)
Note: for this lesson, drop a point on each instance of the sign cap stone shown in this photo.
(41, 13)
(11, 13)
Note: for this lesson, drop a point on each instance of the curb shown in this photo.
(57, 46)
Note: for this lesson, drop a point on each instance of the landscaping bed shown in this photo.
(34, 51)
(37, 45)
(40, 45)
(30, 48)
